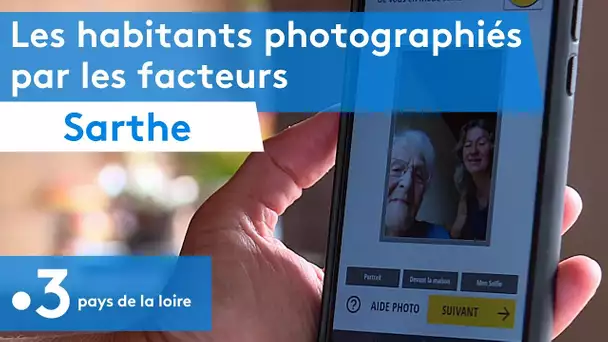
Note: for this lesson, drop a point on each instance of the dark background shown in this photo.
(455, 121)
(306, 222)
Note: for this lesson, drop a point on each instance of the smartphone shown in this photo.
(446, 227)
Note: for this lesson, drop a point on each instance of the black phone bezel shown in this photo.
(551, 182)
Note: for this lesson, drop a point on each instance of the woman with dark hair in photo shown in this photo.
(473, 178)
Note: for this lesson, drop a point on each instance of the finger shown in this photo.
(269, 182)
(577, 281)
(573, 205)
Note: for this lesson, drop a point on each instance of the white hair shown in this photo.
(412, 137)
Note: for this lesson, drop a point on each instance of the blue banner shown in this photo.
(105, 294)
(289, 62)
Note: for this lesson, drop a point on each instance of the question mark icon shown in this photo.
(353, 304)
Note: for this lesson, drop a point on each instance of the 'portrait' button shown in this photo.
(362, 276)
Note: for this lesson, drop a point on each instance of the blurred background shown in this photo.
(108, 203)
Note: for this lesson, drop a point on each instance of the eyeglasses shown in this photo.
(399, 167)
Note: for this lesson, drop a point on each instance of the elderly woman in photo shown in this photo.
(410, 172)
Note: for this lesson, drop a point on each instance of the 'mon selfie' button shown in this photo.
(473, 312)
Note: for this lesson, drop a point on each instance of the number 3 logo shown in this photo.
(54, 287)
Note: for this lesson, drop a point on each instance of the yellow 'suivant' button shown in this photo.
(470, 311)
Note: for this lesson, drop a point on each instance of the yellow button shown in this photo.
(474, 312)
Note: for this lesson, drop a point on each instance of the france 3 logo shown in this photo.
(523, 5)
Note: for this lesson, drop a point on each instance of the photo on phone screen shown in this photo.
(440, 178)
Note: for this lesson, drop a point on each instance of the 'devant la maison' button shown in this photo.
(473, 312)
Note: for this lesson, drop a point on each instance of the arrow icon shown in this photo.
(505, 314)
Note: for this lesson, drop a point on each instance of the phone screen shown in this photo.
(439, 213)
